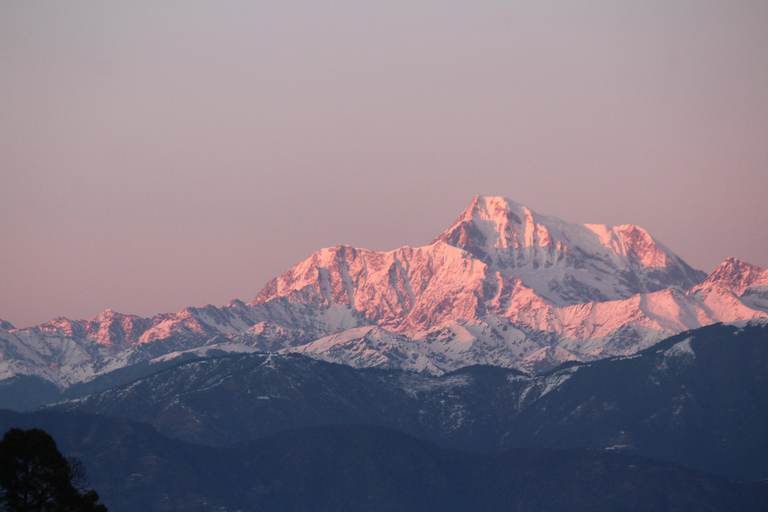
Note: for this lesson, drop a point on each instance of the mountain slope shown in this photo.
(694, 399)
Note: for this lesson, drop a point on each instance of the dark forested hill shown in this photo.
(334, 468)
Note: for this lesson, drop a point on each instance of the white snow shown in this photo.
(682, 349)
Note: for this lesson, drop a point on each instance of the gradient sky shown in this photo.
(156, 155)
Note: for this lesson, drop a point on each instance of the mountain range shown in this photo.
(517, 362)
(502, 286)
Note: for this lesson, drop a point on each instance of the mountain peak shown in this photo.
(61, 323)
(736, 275)
(566, 263)
(496, 223)
(491, 208)
(115, 330)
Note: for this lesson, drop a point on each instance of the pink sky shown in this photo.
(157, 155)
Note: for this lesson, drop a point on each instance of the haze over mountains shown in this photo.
(503, 285)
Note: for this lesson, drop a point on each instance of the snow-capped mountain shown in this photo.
(507, 286)
(502, 285)
(497, 252)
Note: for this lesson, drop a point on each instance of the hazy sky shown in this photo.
(156, 155)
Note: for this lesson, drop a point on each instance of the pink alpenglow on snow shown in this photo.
(503, 285)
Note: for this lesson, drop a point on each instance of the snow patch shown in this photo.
(681, 349)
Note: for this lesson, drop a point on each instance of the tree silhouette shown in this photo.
(36, 477)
